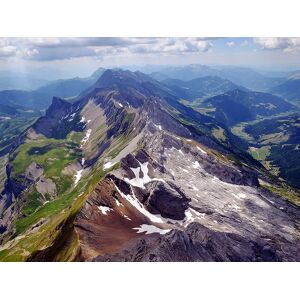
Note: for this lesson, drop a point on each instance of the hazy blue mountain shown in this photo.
(42, 97)
(290, 89)
(200, 87)
(241, 106)
(241, 76)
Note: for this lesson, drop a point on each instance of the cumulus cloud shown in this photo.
(230, 44)
(244, 43)
(7, 51)
(289, 44)
(67, 48)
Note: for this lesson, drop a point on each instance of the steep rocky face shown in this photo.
(216, 213)
(61, 118)
(195, 243)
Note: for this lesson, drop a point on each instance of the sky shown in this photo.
(68, 57)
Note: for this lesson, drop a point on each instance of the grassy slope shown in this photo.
(56, 213)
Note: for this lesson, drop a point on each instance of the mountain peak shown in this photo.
(113, 77)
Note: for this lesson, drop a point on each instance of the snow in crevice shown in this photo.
(118, 203)
(158, 127)
(86, 137)
(140, 207)
(126, 217)
(78, 176)
(196, 165)
(141, 181)
(148, 229)
(82, 161)
(104, 209)
(191, 215)
(108, 165)
(201, 150)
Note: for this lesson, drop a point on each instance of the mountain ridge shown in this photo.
(90, 175)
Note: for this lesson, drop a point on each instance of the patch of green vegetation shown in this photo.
(53, 155)
(33, 202)
(260, 153)
(238, 130)
(285, 192)
(219, 134)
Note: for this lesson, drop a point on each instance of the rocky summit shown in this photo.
(128, 172)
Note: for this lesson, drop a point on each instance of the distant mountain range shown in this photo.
(200, 87)
(240, 76)
(289, 89)
(41, 98)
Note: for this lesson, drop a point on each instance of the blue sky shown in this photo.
(81, 56)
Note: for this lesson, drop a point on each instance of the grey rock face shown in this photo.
(196, 243)
(166, 200)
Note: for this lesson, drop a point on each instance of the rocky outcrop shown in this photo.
(60, 119)
(166, 199)
(199, 243)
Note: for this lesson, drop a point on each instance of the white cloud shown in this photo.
(7, 51)
(290, 44)
(230, 44)
(66, 48)
(244, 43)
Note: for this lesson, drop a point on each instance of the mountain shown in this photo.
(200, 87)
(128, 173)
(289, 89)
(42, 97)
(242, 106)
(240, 76)
(67, 88)
(275, 142)
(249, 78)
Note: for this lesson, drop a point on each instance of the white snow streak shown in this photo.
(104, 209)
(86, 137)
(148, 229)
(141, 181)
(108, 165)
(78, 176)
(200, 149)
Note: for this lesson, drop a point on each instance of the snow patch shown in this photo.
(86, 137)
(104, 209)
(140, 207)
(148, 229)
(82, 120)
(191, 215)
(158, 126)
(108, 165)
(78, 176)
(141, 181)
(196, 165)
(82, 161)
(118, 203)
(126, 217)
